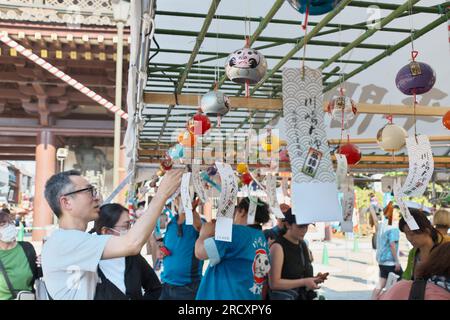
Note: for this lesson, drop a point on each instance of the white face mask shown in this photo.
(121, 233)
(8, 233)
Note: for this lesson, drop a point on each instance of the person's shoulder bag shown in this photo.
(106, 290)
(417, 291)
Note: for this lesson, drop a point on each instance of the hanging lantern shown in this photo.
(211, 171)
(415, 78)
(316, 7)
(186, 139)
(284, 155)
(176, 152)
(245, 65)
(166, 163)
(199, 124)
(342, 108)
(446, 120)
(391, 137)
(242, 168)
(351, 152)
(270, 142)
(215, 103)
(246, 178)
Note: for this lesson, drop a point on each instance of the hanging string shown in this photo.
(247, 82)
(305, 28)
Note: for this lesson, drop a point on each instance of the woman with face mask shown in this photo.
(132, 275)
(18, 269)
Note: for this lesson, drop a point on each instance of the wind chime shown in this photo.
(415, 77)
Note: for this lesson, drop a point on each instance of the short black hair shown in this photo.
(56, 186)
(262, 214)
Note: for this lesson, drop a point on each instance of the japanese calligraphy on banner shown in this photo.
(421, 166)
(198, 184)
(225, 212)
(313, 187)
(341, 169)
(412, 224)
(348, 204)
(252, 210)
(186, 197)
(271, 188)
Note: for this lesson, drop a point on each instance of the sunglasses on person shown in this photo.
(91, 189)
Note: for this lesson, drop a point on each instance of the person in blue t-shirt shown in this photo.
(182, 271)
(388, 238)
(237, 270)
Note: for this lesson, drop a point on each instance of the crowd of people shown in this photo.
(274, 264)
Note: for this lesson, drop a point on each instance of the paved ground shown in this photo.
(352, 267)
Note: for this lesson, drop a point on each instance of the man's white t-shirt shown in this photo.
(70, 259)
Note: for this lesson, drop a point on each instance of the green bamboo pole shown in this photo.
(394, 14)
(198, 43)
(443, 18)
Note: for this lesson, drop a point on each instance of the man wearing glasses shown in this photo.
(70, 257)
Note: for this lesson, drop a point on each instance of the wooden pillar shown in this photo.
(45, 168)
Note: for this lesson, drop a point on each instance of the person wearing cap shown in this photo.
(291, 275)
(441, 221)
(273, 233)
(424, 240)
(238, 269)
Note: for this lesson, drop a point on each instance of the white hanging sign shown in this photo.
(348, 204)
(314, 193)
(271, 188)
(421, 166)
(409, 219)
(252, 210)
(341, 169)
(225, 212)
(198, 184)
(186, 198)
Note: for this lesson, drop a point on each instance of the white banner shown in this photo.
(341, 169)
(412, 224)
(186, 198)
(421, 166)
(348, 204)
(198, 184)
(225, 212)
(271, 188)
(313, 190)
(252, 210)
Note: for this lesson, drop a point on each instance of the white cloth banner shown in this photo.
(271, 188)
(198, 184)
(421, 166)
(186, 198)
(341, 169)
(225, 212)
(314, 193)
(348, 204)
(252, 210)
(409, 219)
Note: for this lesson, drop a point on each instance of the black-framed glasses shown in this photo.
(91, 189)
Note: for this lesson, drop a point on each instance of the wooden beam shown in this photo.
(277, 105)
(12, 141)
(374, 140)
